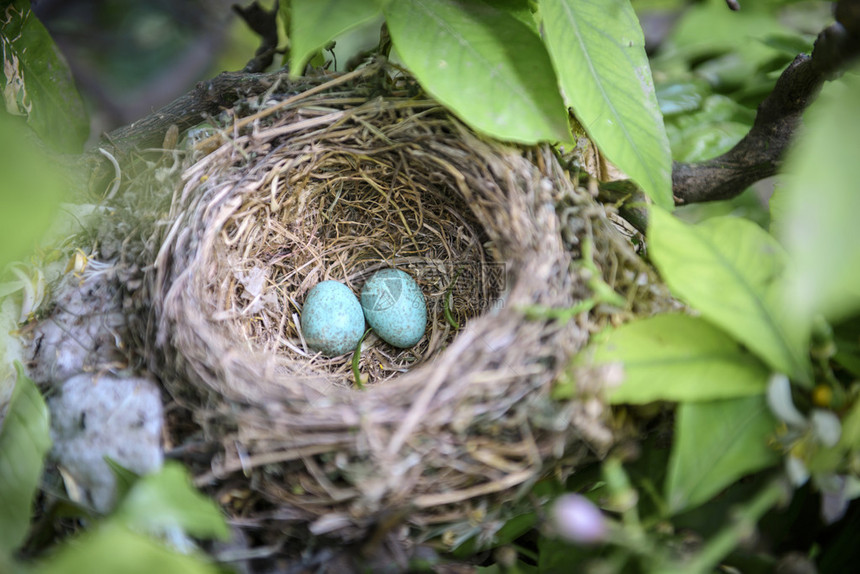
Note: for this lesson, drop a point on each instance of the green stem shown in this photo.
(741, 525)
(356, 356)
(603, 293)
(446, 303)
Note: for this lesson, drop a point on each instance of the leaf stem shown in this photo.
(356, 357)
(742, 522)
(446, 303)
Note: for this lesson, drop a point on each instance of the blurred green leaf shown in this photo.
(598, 51)
(30, 192)
(520, 567)
(112, 548)
(24, 441)
(725, 45)
(676, 358)
(716, 443)
(724, 72)
(166, 500)
(680, 97)
(850, 438)
(484, 64)
(789, 44)
(747, 205)
(314, 23)
(732, 271)
(513, 528)
(715, 128)
(820, 202)
(36, 81)
(705, 141)
(521, 10)
(557, 555)
(847, 340)
(125, 478)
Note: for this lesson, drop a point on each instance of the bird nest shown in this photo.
(350, 175)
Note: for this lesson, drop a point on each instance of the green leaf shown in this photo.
(598, 51)
(732, 271)
(680, 97)
(24, 441)
(30, 193)
(676, 358)
(36, 81)
(716, 443)
(850, 438)
(726, 48)
(285, 16)
(789, 44)
(558, 555)
(125, 478)
(110, 547)
(821, 204)
(166, 500)
(314, 23)
(512, 529)
(484, 64)
(714, 129)
(522, 10)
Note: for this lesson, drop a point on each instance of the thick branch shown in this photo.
(208, 98)
(760, 153)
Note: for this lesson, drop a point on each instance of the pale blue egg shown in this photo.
(332, 319)
(394, 306)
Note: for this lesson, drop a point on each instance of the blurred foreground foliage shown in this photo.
(749, 405)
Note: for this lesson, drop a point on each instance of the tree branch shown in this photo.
(208, 98)
(760, 153)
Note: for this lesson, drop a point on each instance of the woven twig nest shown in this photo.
(333, 183)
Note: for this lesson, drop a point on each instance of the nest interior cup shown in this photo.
(337, 182)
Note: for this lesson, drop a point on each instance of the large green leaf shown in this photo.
(677, 358)
(486, 65)
(732, 271)
(110, 547)
(819, 226)
(36, 80)
(598, 51)
(166, 500)
(30, 193)
(24, 441)
(715, 444)
(315, 22)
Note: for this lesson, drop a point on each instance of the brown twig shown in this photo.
(265, 23)
(760, 153)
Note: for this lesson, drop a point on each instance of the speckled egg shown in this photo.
(394, 306)
(332, 320)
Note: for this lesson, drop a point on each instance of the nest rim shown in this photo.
(351, 456)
